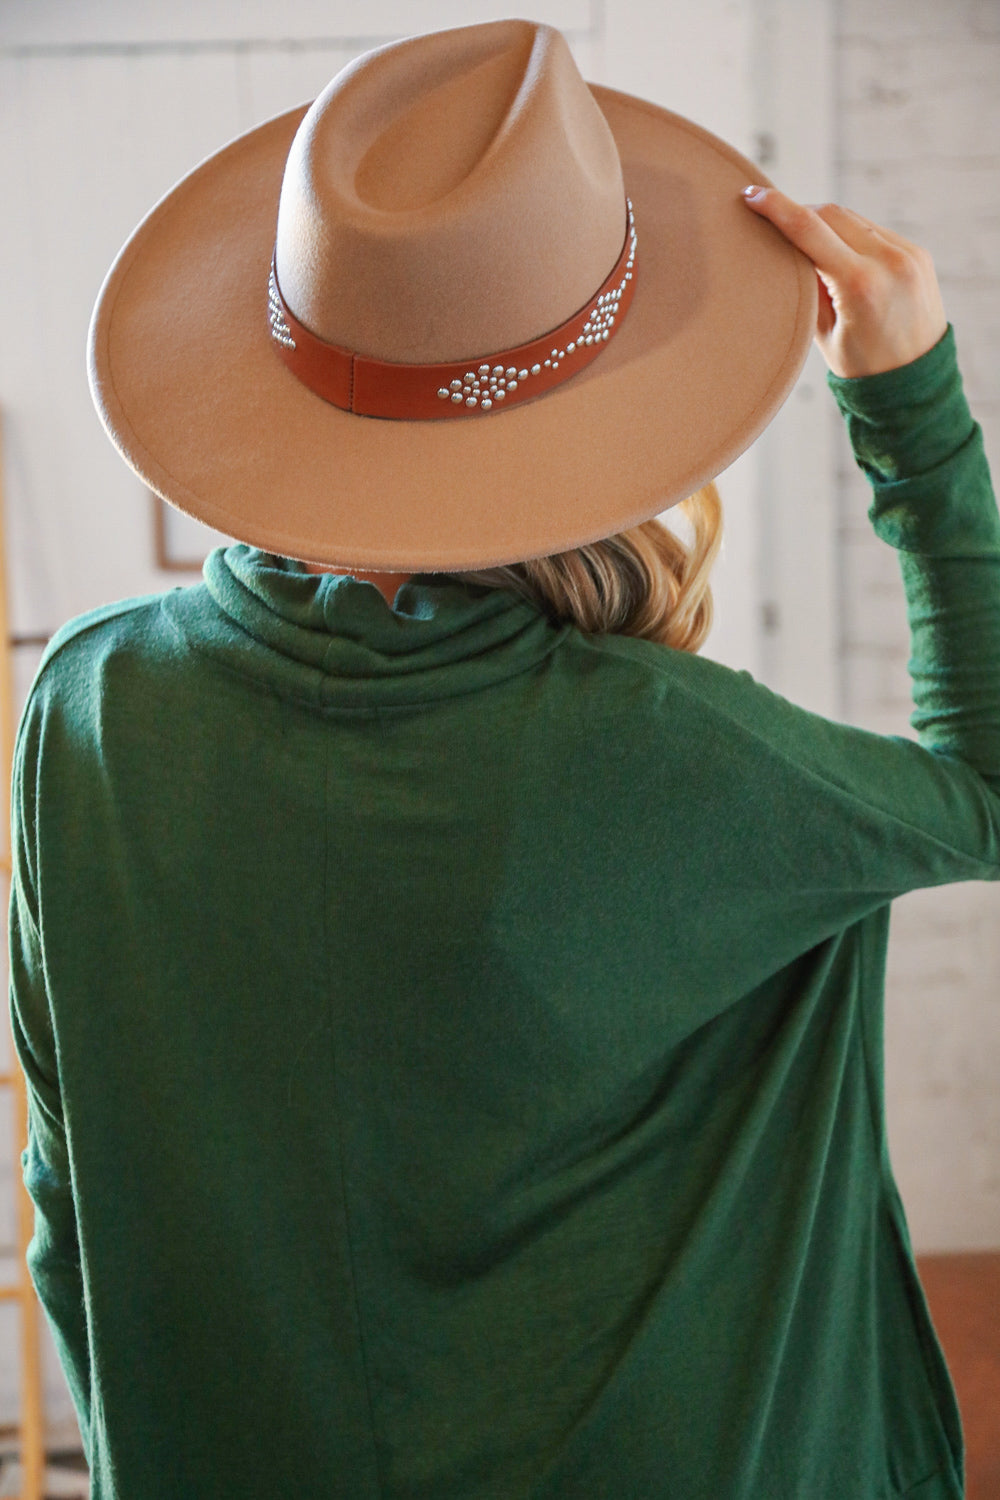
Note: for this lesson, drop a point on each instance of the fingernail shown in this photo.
(754, 193)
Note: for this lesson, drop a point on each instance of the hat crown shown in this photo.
(449, 195)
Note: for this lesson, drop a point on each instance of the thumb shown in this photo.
(826, 315)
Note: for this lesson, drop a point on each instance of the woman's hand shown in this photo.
(879, 300)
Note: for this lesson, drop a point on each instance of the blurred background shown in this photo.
(891, 108)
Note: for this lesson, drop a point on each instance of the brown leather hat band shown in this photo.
(379, 388)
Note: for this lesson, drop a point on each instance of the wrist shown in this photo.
(907, 421)
(924, 375)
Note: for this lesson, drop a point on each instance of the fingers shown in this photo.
(860, 234)
(807, 229)
(865, 236)
(880, 304)
(871, 241)
(826, 313)
(880, 229)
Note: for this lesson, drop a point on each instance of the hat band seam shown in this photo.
(481, 385)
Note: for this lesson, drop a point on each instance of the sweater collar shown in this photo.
(336, 639)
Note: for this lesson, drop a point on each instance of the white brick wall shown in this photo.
(919, 150)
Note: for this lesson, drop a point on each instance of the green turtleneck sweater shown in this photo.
(454, 1040)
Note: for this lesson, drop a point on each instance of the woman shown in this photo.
(452, 1009)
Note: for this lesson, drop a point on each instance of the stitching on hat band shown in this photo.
(380, 388)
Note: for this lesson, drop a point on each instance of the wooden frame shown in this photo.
(31, 1426)
(164, 561)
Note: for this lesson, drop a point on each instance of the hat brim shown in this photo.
(188, 384)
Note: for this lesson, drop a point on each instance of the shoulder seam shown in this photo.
(71, 629)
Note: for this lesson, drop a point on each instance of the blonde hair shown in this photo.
(644, 582)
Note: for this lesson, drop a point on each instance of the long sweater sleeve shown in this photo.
(54, 1251)
(915, 439)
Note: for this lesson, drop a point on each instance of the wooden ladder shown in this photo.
(31, 1427)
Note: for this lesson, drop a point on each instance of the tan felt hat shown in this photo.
(464, 310)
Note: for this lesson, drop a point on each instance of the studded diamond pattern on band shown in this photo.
(381, 388)
(279, 327)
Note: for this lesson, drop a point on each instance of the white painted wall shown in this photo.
(918, 148)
